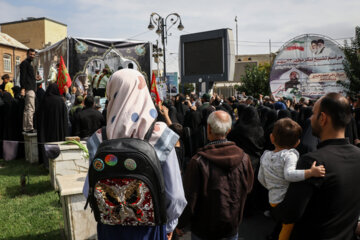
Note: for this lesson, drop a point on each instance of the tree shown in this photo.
(352, 64)
(186, 88)
(255, 81)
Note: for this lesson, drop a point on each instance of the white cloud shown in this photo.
(259, 21)
(11, 13)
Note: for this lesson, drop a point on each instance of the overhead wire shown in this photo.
(274, 44)
(244, 43)
(239, 41)
(139, 34)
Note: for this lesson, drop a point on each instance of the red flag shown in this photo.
(153, 88)
(295, 48)
(63, 78)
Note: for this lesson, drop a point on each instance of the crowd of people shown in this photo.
(231, 156)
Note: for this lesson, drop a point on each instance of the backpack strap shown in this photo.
(149, 132)
(104, 137)
(103, 133)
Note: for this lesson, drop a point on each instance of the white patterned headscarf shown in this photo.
(130, 110)
(130, 113)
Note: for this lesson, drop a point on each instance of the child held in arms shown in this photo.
(278, 167)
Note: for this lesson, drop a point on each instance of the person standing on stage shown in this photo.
(28, 89)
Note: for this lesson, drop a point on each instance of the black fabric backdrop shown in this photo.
(84, 52)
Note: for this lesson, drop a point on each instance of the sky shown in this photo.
(258, 20)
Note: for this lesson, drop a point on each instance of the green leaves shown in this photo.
(255, 81)
(80, 145)
(186, 88)
(352, 64)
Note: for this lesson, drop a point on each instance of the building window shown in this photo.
(7, 63)
(17, 61)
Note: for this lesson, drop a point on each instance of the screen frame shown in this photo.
(220, 33)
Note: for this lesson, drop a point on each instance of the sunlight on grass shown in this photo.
(30, 212)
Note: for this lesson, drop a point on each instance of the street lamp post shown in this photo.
(161, 23)
(237, 52)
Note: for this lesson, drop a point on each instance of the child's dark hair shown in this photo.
(5, 76)
(177, 128)
(286, 133)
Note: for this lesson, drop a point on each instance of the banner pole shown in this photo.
(270, 51)
(67, 53)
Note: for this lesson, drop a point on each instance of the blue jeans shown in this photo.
(194, 237)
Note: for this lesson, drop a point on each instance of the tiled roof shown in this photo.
(12, 42)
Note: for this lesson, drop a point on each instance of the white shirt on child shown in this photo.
(277, 170)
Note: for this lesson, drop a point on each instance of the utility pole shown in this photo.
(157, 57)
(270, 51)
(237, 48)
(163, 26)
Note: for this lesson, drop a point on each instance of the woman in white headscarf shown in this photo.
(130, 113)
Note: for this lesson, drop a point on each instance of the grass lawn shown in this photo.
(33, 212)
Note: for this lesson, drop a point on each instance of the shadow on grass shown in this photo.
(20, 166)
(56, 203)
(30, 189)
(53, 235)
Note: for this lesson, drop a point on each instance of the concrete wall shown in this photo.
(10, 51)
(31, 33)
(259, 58)
(240, 68)
(241, 61)
(54, 32)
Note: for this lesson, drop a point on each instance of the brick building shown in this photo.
(12, 53)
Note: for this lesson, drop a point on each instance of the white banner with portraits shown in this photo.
(308, 66)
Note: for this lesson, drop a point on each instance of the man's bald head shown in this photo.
(337, 107)
(220, 123)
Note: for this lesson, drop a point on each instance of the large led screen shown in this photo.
(204, 57)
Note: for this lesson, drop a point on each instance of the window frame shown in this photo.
(7, 62)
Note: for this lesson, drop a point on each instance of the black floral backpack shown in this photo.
(126, 185)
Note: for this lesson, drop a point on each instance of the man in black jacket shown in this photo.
(216, 183)
(326, 208)
(28, 89)
(88, 120)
